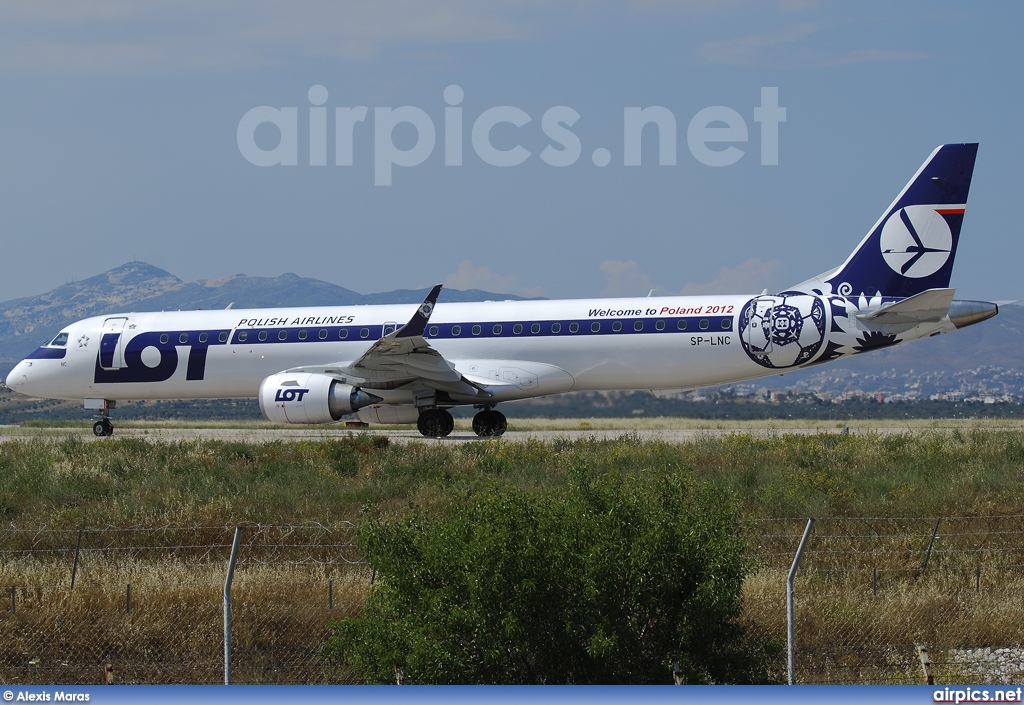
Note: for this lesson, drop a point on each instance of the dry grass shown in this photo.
(845, 633)
(167, 627)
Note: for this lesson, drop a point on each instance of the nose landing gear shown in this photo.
(103, 426)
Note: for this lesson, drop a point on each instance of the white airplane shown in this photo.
(410, 364)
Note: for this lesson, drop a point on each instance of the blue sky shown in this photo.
(120, 140)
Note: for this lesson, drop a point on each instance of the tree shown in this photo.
(599, 584)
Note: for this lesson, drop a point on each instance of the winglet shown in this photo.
(418, 323)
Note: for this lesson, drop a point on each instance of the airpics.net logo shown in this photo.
(714, 135)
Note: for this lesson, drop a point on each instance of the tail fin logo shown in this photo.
(916, 241)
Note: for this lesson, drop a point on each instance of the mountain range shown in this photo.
(989, 355)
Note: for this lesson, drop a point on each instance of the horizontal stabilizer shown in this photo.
(927, 307)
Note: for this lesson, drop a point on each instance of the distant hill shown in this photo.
(988, 355)
(137, 286)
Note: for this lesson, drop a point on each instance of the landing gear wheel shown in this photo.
(435, 423)
(489, 423)
(103, 427)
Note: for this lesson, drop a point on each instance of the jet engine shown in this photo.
(306, 397)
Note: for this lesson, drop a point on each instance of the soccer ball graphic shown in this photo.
(782, 331)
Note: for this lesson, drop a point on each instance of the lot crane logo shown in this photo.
(782, 331)
(916, 241)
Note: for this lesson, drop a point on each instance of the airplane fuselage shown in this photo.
(590, 344)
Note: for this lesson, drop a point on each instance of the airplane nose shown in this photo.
(17, 377)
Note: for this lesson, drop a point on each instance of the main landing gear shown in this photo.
(489, 422)
(435, 423)
(438, 423)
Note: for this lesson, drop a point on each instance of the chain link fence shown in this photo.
(870, 591)
(148, 602)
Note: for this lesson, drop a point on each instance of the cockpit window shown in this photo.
(60, 341)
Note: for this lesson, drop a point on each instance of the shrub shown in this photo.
(598, 584)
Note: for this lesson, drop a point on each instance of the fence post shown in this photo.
(227, 604)
(74, 565)
(928, 554)
(789, 601)
(926, 664)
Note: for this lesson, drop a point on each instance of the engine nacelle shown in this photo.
(306, 397)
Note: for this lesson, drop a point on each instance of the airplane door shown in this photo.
(757, 333)
(112, 344)
(389, 327)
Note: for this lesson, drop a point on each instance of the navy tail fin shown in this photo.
(912, 246)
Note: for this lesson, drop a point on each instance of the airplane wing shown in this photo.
(404, 356)
(927, 307)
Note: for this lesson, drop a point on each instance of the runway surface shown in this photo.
(670, 435)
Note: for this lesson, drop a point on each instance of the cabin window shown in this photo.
(535, 328)
(302, 335)
(60, 341)
(456, 330)
(343, 333)
(223, 337)
(497, 329)
(183, 338)
(574, 327)
(263, 335)
(660, 325)
(203, 337)
(595, 327)
(282, 335)
(517, 328)
(323, 334)
(242, 335)
(433, 331)
(638, 325)
(726, 323)
(617, 326)
(556, 327)
(681, 324)
(364, 333)
(704, 324)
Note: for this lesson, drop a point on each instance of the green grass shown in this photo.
(68, 481)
